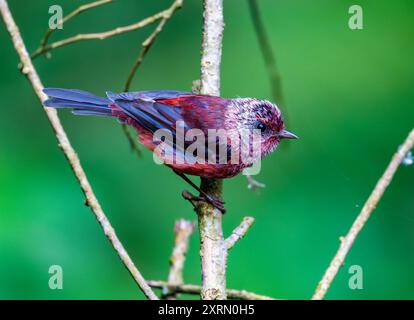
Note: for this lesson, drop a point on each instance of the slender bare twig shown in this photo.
(359, 223)
(163, 16)
(98, 35)
(272, 70)
(268, 56)
(195, 289)
(74, 13)
(146, 46)
(183, 230)
(132, 140)
(239, 232)
(148, 42)
(70, 154)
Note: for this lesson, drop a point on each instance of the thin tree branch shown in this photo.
(98, 35)
(213, 249)
(183, 230)
(164, 16)
(132, 140)
(272, 70)
(194, 289)
(268, 56)
(146, 45)
(74, 13)
(70, 154)
(239, 232)
(359, 223)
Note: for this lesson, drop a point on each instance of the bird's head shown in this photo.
(259, 115)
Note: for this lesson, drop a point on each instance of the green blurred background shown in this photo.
(350, 99)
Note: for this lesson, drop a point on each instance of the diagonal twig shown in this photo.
(74, 13)
(268, 56)
(195, 289)
(98, 35)
(132, 140)
(70, 154)
(163, 16)
(359, 223)
(183, 230)
(272, 70)
(239, 232)
(146, 46)
(148, 42)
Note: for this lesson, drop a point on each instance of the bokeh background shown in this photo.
(350, 98)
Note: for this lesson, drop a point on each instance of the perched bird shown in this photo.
(185, 112)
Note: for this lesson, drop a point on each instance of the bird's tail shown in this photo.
(81, 102)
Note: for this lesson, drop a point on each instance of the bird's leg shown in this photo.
(203, 196)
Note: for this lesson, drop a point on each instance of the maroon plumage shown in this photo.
(149, 111)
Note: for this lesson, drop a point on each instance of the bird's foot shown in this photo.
(214, 201)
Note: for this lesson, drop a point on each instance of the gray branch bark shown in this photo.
(213, 250)
(29, 70)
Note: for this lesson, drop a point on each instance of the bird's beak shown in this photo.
(284, 134)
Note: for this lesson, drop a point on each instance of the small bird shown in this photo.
(150, 111)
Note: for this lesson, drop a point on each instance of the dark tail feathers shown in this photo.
(82, 102)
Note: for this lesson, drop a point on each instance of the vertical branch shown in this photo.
(213, 249)
(213, 26)
(70, 154)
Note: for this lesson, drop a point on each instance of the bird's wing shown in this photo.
(154, 95)
(162, 109)
(176, 114)
(151, 115)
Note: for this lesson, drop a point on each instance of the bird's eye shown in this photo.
(261, 126)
